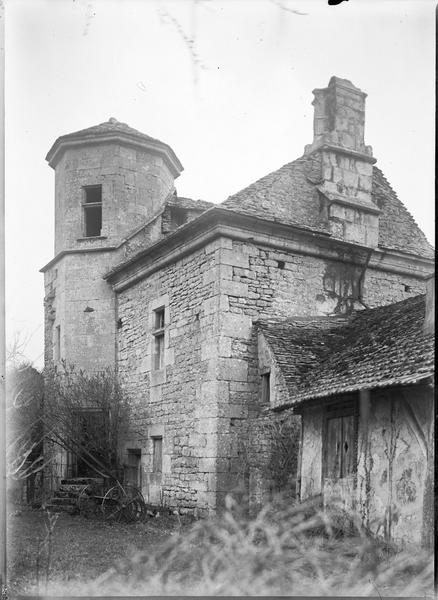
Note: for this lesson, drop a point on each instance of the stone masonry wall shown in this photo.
(135, 185)
(206, 403)
(182, 402)
(259, 282)
(81, 303)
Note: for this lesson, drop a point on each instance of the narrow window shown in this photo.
(157, 454)
(266, 388)
(57, 349)
(93, 210)
(159, 338)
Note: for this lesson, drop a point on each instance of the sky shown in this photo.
(228, 84)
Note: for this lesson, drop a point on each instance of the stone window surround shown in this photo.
(266, 380)
(158, 376)
(91, 205)
(156, 431)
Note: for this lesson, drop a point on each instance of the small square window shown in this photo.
(93, 193)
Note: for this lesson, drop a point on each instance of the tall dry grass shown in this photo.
(282, 550)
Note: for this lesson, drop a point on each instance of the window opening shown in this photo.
(93, 210)
(266, 387)
(157, 454)
(57, 353)
(159, 338)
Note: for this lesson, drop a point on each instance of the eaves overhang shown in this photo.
(117, 137)
(323, 398)
(221, 222)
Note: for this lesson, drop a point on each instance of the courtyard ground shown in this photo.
(82, 549)
(289, 550)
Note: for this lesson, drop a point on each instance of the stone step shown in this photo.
(82, 480)
(66, 493)
(71, 488)
(63, 501)
(59, 508)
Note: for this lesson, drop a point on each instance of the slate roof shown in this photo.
(188, 203)
(112, 126)
(376, 347)
(289, 196)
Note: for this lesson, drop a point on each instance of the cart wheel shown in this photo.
(123, 503)
(86, 503)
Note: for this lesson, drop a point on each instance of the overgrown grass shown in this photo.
(293, 550)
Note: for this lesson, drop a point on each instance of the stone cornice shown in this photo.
(56, 259)
(311, 149)
(119, 137)
(219, 222)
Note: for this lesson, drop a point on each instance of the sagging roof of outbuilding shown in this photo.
(378, 347)
(289, 196)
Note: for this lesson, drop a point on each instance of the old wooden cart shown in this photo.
(112, 500)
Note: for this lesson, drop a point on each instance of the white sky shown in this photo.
(234, 105)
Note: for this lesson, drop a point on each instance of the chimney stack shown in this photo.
(344, 162)
(429, 317)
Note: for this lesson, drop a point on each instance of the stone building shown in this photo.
(173, 292)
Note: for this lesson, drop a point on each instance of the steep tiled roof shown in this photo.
(376, 347)
(110, 126)
(289, 196)
(108, 130)
(188, 203)
(397, 228)
(285, 196)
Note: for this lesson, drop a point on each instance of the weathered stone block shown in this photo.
(233, 258)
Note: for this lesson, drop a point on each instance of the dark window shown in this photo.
(157, 454)
(93, 210)
(93, 194)
(340, 446)
(133, 467)
(159, 318)
(266, 387)
(57, 349)
(159, 338)
(179, 216)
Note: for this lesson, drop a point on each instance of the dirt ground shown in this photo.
(81, 548)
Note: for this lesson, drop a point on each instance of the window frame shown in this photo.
(265, 382)
(155, 439)
(159, 316)
(86, 206)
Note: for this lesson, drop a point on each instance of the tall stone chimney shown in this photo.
(343, 162)
(429, 317)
